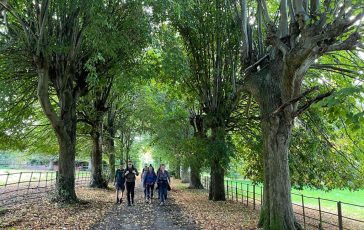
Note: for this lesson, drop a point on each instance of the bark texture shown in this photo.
(97, 179)
(217, 189)
(65, 129)
(195, 179)
(276, 125)
(185, 177)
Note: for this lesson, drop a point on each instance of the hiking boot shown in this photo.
(129, 204)
(117, 200)
(121, 200)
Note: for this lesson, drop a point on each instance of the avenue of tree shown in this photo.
(272, 88)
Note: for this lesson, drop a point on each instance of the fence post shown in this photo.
(52, 178)
(247, 194)
(254, 196)
(227, 189)
(261, 196)
(231, 189)
(242, 192)
(236, 190)
(46, 182)
(319, 203)
(303, 212)
(19, 180)
(339, 215)
(40, 176)
(31, 176)
(7, 178)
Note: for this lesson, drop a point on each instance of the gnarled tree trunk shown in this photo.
(276, 124)
(110, 141)
(64, 126)
(178, 169)
(217, 191)
(217, 174)
(112, 166)
(185, 177)
(195, 181)
(97, 179)
(277, 212)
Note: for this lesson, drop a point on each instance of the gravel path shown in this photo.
(145, 216)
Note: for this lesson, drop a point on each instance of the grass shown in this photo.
(347, 196)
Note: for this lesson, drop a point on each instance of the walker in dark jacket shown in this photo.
(130, 176)
(163, 180)
(149, 179)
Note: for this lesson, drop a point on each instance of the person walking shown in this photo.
(152, 186)
(158, 170)
(163, 180)
(130, 175)
(145, 170)
(149, 179)
(119, 183)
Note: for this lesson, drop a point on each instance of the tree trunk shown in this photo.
(110, 141)
(277, 212)
(195, 181)
(217, 191)
(218, 157)
(185, 177)
(97, 179)
(178, 171)
(112, 166)
(64, 126)
(51, 165)
(65, 186)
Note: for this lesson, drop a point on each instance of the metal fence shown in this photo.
(20, 186)
(311, 212)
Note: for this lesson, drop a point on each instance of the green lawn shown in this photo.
(353, 197)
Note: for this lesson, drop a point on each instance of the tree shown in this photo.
(198, 152)
(51, 35)
(274, 74)
(210, 37)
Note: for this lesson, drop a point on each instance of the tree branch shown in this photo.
(310, 102)
(294, 100)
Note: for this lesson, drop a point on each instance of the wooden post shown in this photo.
(46, 184)
(319, 203)
(303, 212)
(19, 179)
(247, 194)
(236, 190)
(253, 196)
(232, 191)
(227, 189)
(242, 192)
(40, 176)
(7, 178)
(261, 196)
(339, 216)
(31, 175)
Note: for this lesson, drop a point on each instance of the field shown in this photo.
(311, 195)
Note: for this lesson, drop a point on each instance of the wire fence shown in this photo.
(16, 187)
(311, 212)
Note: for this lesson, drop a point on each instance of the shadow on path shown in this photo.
(145, 216)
